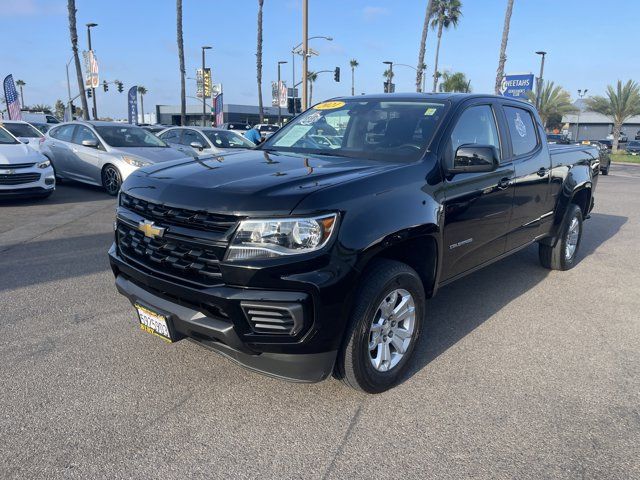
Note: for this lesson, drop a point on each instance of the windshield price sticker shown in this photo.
(329, 105)
(311, 118)
(430, 111)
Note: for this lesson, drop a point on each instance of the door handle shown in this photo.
(504, 183)
(542, 172)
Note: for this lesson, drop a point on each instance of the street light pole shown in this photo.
(581, 94)
(93, 90)
(204, 104)
(294, 50)
(305, 51)
(543, 54)
(390, 77)
(281, 62)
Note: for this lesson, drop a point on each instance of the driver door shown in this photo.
(477, 206)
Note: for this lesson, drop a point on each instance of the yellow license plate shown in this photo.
(153, 323)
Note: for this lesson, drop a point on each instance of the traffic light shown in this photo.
(120, 87)
(336, 74)
(88, 93)
(73, 109)
(105, 86)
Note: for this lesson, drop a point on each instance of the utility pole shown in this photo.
(204, 104)
(542, 54)
(581, 94)
(305, 51)
(93, 90)
(281, 62)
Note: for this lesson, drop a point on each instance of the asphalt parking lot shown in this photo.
(521, 373)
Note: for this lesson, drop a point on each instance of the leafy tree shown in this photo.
(445, 13)
(554, 100)
(502, 59)
(39, 107)
(619, 105)
(183, 97)
(423, 41)
(142, 91)
(455, 82)
(259, 59)
(59, 109)
(73, 31)
(353, 63)
(20, 84)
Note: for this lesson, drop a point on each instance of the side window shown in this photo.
(171, 136)
(522, 129)
(63, 133)
(190, 136)
(476, 125)
(83, 133)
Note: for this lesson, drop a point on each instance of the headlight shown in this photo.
(135, 162)
(44, 164)
(259, 239)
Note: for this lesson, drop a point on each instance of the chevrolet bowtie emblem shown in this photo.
(150, 230)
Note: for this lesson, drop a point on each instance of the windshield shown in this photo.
(43, 127)
(227, 139)
(128, 136)
(6, 138)
(376, 129)
(22, 130)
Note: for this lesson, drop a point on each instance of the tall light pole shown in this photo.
(93, 90)
(281, 62)
(416, 70)
(204, 103)
(305, 51)
(542, 54)
(294, 50)
(581, 94)
(390, 77)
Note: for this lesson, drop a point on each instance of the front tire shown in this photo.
(111, 180)
(562, 256)
(384, 327)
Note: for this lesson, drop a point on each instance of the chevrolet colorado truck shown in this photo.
(306, 258)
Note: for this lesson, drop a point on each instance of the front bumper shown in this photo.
(44, 184)
(215, 319)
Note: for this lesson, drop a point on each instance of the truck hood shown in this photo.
(246, 183)
(18, 153)
(152, 154)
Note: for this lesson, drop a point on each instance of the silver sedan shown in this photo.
(205, 141)
(103, 153)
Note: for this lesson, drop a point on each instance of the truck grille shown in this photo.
(194, 219)
(273, 319)
(185, 259)
(18, 178)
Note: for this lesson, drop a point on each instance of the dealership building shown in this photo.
(596, 126)
(170, 114)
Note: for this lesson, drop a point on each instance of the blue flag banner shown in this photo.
(517, 86)
(132, 104)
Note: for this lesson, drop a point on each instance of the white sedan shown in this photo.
(23, 170)
(205, 141)
(25, 132)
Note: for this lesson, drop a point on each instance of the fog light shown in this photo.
(49, 181)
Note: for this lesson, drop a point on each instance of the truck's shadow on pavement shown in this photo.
(460, 307)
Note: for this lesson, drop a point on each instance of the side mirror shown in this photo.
(92, 143)
(475, 158)
(196, 145)
(23, 140)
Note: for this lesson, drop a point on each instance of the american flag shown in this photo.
(11, 96)
(218, 110)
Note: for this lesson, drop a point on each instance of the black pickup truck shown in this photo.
(314, 254)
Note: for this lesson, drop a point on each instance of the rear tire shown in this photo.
(111, 180)
(605, 171)
(384, 328)
(562, 256)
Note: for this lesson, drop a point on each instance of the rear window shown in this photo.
(522, 129)
(22, 130)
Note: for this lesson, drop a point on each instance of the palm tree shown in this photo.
(20, 83)
(311, 77)
(73, 31)
(554, 100)
(445, 13)
(619, 105)
(388, 76)
(423, 42)
(142, 91)
(183, 97)
(455, 82)
(354, 63)
(503, 46)
(259, 59)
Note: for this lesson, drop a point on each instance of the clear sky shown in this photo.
(590, 44)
